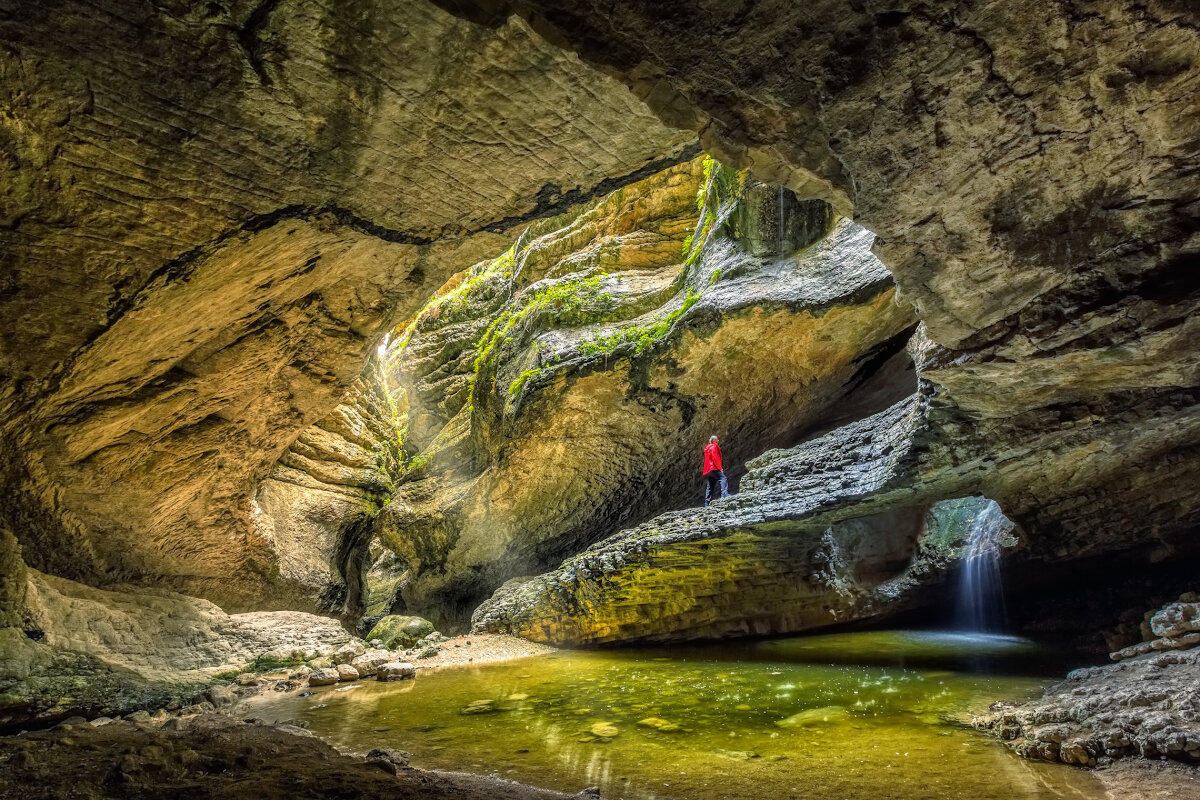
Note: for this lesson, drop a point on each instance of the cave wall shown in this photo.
(211, 215)
(544, 427)
(1032, 187)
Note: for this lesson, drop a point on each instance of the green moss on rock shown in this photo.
(400, 631)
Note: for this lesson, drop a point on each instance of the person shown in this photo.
(714, 476)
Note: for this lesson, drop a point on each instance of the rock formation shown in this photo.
(1145, 706)
(97, 651)
(829, 531)
(1032, 186)
(568, 386)
(211, 216)
(212, 213)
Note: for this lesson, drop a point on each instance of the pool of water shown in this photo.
(858, 715)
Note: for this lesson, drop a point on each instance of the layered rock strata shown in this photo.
(211, 216)
(912, 455)
(833, 530)
(318, 505)
(571, 391)
(97, 651)
(1033, 190)
(1147, 705)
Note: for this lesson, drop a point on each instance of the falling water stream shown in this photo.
(877, 715)
(980, 596)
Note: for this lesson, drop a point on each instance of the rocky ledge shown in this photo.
(787, 554)
(1146, 705)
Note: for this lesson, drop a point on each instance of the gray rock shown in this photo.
(369, 662)
(396, 670)
(323, 677)
(1176, 619)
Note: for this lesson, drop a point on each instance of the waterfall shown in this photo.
(980, 597)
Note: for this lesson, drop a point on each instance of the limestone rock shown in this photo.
(347, 673)
(1146, 707)
(833, 530)
(396, 670)
(624, 336)
(203, 252)
(399, 631)
(370, 662)
(324, 677)
(1176, 619)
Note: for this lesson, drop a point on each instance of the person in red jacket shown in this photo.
(714, 475)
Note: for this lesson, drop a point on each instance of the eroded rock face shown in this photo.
(584, 400)
(103, 651)
(1146, 706)
(823, 533)
(213, 213)
(317, 506)
(1032, 189)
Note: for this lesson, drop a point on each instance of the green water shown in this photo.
(861, 715)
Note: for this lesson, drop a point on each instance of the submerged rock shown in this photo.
(815, 716)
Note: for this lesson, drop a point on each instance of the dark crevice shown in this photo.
(248, 38)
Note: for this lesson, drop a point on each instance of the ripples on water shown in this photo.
(860, 715)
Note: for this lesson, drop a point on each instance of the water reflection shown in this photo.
(875, 715)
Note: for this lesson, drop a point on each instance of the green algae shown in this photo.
(706, 721)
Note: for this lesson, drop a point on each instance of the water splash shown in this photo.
(980, 596)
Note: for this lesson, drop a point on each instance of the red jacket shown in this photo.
(712, 457)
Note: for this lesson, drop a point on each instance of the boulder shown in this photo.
(323, 677)
(348, 652)
(369, 662)
(221, 696)
(347, 673)
(1176, 619)
(398, 631)
(396, 670)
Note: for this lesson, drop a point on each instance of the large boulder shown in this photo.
(400, 632)
(324, 677)
(396, 671)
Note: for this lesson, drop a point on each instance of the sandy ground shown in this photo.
(482, 648)
(1136, 779)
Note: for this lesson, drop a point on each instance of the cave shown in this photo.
(358, 361)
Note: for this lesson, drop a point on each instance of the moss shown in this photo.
(269, 663)
(642, 337)
(561, 304)
(714, 278)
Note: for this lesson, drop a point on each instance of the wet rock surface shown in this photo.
(1147, 706)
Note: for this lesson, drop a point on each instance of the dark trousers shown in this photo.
(714, 485)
